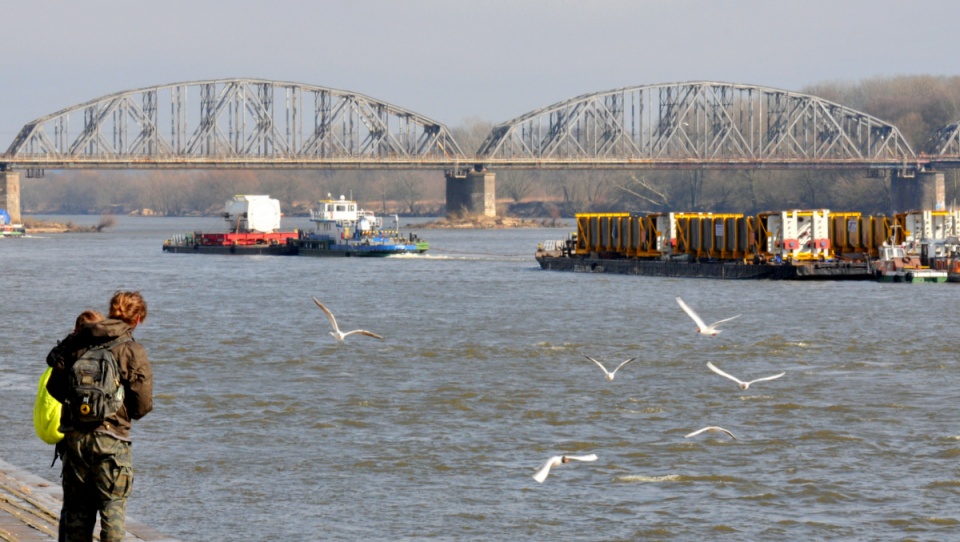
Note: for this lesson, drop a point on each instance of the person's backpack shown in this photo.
(94, 391)
(46, 412)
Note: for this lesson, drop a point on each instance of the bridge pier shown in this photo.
(924, 191)
(471, 193)
(10, 195)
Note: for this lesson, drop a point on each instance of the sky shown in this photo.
(456, 61)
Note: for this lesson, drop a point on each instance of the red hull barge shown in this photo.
(275, 243)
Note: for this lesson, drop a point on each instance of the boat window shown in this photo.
(353, 208)
(341, 207)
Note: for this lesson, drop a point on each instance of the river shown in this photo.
(265, 428)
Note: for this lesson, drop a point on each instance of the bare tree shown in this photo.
(516, 184)
(639, 194)
(168, 197)
(106, 221)
(471, 133)
(694, 185)
(409, 190)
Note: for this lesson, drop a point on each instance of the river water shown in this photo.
(264, 428)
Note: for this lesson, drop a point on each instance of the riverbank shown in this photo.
(488, 222)
(32, 225)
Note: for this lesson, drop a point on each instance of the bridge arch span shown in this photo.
(234, 123)
(697, 124)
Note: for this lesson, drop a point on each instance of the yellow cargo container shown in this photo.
(600, 232)
(711, 235)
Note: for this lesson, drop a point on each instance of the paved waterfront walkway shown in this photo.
(30, 508)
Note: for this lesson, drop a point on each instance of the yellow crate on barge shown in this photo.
(710, 236)
(601, 233)
(663, 235)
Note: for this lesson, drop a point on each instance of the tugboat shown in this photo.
(344, 229)
(7, 229)
(254, 224)
(895, 265)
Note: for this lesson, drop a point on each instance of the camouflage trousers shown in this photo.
(97, 477)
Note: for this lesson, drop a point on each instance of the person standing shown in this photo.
(98, 456)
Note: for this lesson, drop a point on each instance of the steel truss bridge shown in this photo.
(255, 123)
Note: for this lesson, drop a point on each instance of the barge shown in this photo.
(342, 229)
(254, 224)
(813, 245)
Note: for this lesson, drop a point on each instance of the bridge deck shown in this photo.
(30, 508)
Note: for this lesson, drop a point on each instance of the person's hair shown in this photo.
(88, 317)
(129, 307)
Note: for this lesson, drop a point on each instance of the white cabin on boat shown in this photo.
(346, 216)
(330, 210)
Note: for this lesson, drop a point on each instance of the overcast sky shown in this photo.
(453, 60)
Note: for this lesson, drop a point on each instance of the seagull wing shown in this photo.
(622, 364)
(333, 321)
(363, 332)
(721, 373)
(544, 469)
(715, 324)
(690, 312)
(725, 431)
(767, 378)
(589, 457)
(711, 429)
(598, 364)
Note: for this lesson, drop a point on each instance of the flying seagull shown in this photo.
(702, 327)
(336, 333)
(609, 374)
(558, 460)
(711, 429)
(743, 385)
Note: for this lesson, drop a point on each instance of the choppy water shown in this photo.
(266, 429)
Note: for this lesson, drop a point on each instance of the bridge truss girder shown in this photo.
(946, 140)
(241, 122)
(697, 124)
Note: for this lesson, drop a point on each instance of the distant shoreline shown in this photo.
(491, 222)
(32, 225)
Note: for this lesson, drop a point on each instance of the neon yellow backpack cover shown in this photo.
(46, 412)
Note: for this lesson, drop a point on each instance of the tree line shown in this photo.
(917, 105)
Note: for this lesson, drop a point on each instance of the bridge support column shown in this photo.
(10, 195)
(923, 192)
(471, 193)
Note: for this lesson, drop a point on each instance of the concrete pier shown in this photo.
(30, 510)
(924, 191)
(471, 193)
(10, 194)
